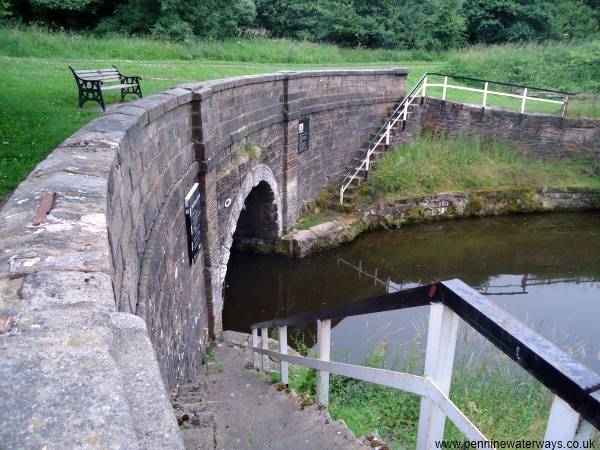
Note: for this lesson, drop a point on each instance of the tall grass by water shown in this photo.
(500, 398)
(431, 164)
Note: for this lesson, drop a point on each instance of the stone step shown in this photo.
(241, 410)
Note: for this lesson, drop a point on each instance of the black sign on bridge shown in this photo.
(193, 220)
(303, 135)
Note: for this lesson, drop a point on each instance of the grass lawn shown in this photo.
(38, 99)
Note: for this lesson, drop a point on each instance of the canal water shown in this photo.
(543, 268)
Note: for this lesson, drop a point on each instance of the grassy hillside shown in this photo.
(38, 99)
(38, 43)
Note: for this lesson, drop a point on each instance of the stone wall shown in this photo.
(78, 369)
(153, 170)
(343, 111)
(539, 136)
(246, 131)
(98, 298)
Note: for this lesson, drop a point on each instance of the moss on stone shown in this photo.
(474, 205)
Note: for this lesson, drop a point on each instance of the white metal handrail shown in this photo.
(564, 423)
(420, 91)
(486, 91)
(401, 111)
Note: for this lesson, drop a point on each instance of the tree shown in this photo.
(181, 19)
(497, 21)
(575, 19)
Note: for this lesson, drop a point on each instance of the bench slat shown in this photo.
(115, 86)
(90, 74)
(111, 78)
(112, 69)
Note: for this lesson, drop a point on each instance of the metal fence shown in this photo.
(526, 95)
(575, 409)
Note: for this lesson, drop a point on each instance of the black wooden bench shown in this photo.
(91, 84)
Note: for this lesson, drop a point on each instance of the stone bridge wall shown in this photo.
(246, 131)
(99, 300)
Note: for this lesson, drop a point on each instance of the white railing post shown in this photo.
(342, 195)
(367, 160)
(564, 106)
(323, 344)
(562, 422)
(405, 112)
(387, 133)
(524, 100)
(439, 360)
(424, 91)
(255, 355)
(445, 88)
(264, 335)
(485, 94)
(283, 349)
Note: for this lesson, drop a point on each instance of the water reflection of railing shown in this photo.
(575, 409)
(526, 281)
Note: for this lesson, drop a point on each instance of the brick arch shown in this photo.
(261, 173)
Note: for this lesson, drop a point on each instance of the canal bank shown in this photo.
(443, 206)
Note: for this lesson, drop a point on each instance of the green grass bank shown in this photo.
(38, 101)
(431, 164)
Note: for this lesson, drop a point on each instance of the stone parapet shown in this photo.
(100, 310)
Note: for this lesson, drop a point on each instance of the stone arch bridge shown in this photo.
(101, 307)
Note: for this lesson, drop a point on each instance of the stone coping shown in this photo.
(205, 90)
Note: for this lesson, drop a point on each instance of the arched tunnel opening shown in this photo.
(257, 225)
(256, 232)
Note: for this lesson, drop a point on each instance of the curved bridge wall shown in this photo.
(114, 241)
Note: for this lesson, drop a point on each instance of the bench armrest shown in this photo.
(130, 79)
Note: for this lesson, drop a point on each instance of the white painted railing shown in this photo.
(564, 423)
(527, 93)
(384, 134)
(419, 90)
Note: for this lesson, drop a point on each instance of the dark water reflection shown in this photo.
(544, 269)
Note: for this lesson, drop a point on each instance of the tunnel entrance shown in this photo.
(257, 226)
(257, 230)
